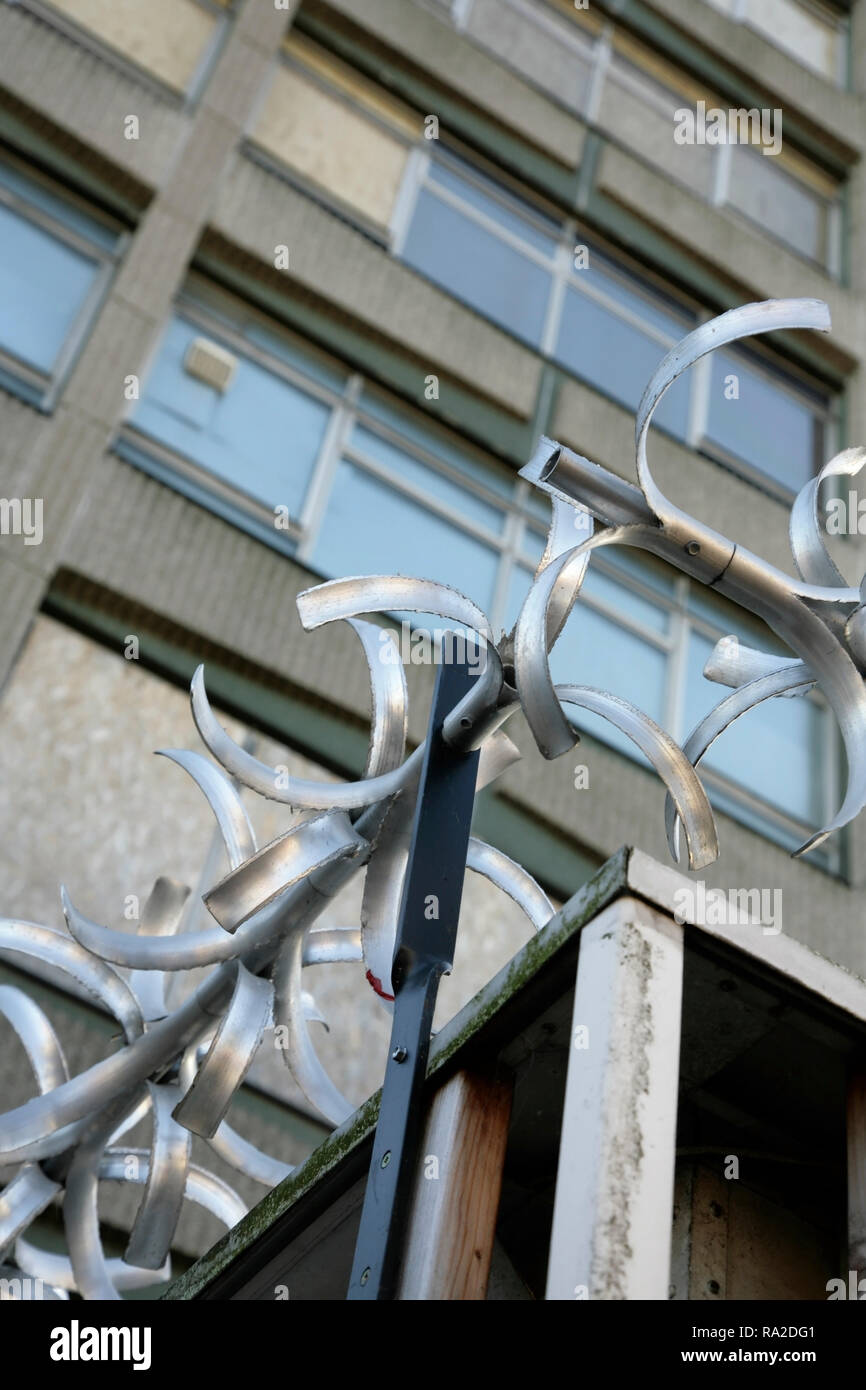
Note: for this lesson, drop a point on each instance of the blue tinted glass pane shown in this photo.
(262, 434)
(310, 364)
(602, 275)
(613, 355)
(43, 285)
(766, 425)
(371, 529)
(624, 600)
(637, 563)
(592, 650)
(503, 210)
(492, 477)
(464, 504)
(71, 216)
(773, 751)
(476, 266)
(728, 619)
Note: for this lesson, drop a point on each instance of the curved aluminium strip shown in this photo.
(730, 327)
(388, 593)
(512, 878)
(268, 781)
(754, 584)
(36, 1127)
(551, 730)
(91, 1272)
(734, 664)
(239, 1153)
(570, 525)
(56, 948)
(22, 1199)
(383, 891)
(329, 945)
(37, 1037)
(243, 893)
(855, 636)
(498, 754)
(223, 798)
(56, 1270)
(669, 761)
(81, 1211)
(259, 881)
(299, 1053)
(811, 557)
(183, 952)
(389, 720)
(149, 1244)
(160, 916)
(202, 1187)
(746, 697)
(229, 1056)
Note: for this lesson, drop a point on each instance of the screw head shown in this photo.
(366, 1275)
(399, 1054)
(693, 548)
(386, 1159)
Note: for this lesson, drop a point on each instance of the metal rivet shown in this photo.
(366, 1275)
(693, 548)
(386, 1159)
(399, 1054)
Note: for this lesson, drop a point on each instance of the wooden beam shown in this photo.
(453, 1220)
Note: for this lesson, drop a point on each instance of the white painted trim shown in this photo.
(788, 958)
(613, 1210)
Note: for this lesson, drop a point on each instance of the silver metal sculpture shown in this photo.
(182, 1066)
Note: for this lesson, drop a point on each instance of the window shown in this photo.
(785, 194)
(613, 333)
(315, 460)
(485, 248)
(815, 34)
(630, 92)
(645, 633)
(610, 327)
(55, 262)
(776, 426)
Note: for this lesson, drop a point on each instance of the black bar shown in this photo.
(426, 936)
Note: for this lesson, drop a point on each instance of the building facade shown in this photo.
(289, 292)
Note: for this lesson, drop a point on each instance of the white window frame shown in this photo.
(43, 388)
(598, 52)
(559, 266)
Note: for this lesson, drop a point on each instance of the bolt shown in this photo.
(366, 1275)
(386, 1159)
(399, 1054)
(693, 548)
